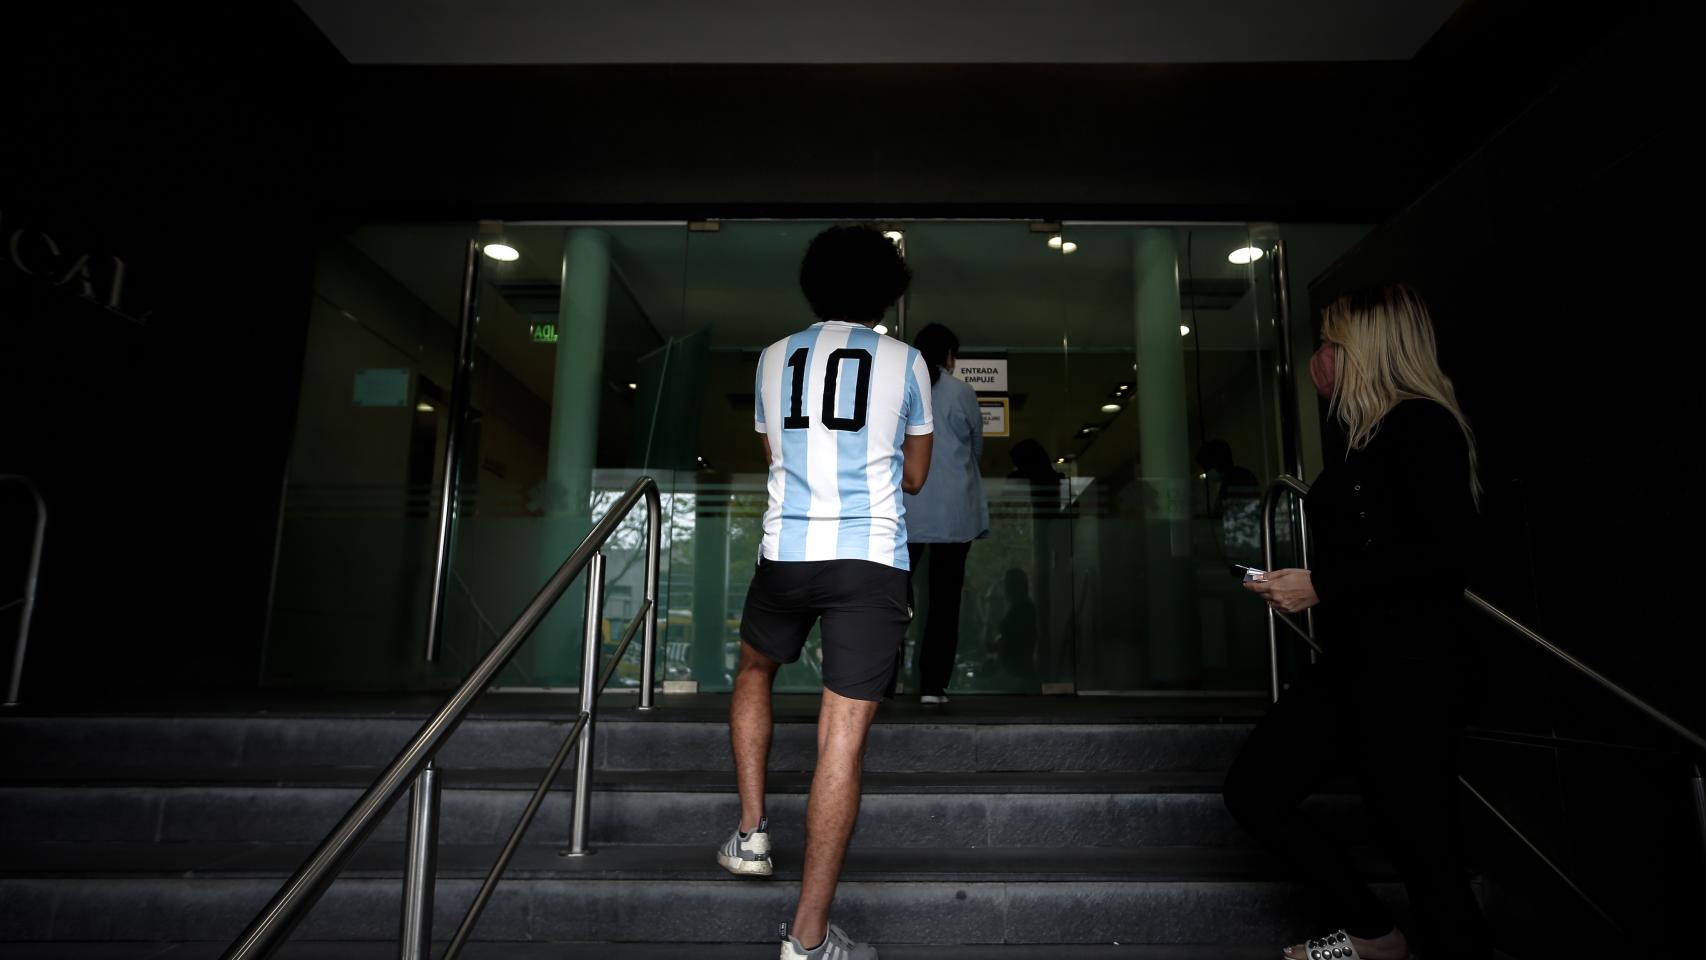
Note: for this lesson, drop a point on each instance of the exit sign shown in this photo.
(544, 333)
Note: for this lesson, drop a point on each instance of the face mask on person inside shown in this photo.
(1321, 368)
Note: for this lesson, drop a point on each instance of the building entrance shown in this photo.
(1128, 378)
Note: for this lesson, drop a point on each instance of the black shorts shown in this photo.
(863, 606)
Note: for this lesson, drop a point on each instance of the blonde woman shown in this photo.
(1392, 525)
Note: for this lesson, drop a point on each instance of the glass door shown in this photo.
(580, 388)
(1125, 375)
(1177, 436)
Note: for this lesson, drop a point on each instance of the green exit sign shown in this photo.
(544, 333)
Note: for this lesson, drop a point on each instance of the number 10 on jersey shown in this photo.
(800, 360)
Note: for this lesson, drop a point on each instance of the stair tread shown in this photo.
(645, 781)
(677, 863)
(1214, 707)
(477, 950)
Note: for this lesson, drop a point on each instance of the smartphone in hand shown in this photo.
(1249, 574)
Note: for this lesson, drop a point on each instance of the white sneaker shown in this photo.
(836, 946)
(747, 856)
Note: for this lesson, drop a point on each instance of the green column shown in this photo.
(1165, 463)
(710, 589)
(554, 651)
(579, 380)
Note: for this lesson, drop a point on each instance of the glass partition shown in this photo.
(356, 539)
(1131, 422)
(1178, 434)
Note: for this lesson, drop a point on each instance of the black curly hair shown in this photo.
(852, 273)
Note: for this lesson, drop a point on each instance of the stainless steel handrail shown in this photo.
(272, 926)
(1289, 485)
(581, 735)
(30, 579)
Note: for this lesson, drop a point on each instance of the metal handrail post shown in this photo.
(590, 646)
(1308, 560)
(30, 580)
(649, 638)
(570, 742)
(1270, 500)
(421, 873)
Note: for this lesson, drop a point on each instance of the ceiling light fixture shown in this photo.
(1184, 331)
(1110, 408)
(1244, 255)
(1068, 247)
(894, 235)
(502, 252)
(633, 386)
(424, 407)
(1054, 242)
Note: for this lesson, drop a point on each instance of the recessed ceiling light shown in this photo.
(1244, 255)
(1054, 242)
(424, 407)
(1068, 247)
(881, 329)
(1184, 331)
(1110, 408)
(633, 386)
(502, 251)
(894, 235)
(1059, 459)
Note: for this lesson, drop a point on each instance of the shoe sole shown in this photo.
(744, 868)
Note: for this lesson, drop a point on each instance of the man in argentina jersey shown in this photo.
(844, 413)
(835, 479)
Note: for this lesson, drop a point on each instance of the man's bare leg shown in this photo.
(832, 808)
(749, 731)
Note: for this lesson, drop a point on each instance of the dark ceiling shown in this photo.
(151, 106)
(876, 31)
(1342, 140)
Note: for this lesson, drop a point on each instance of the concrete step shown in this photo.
(925, 810)
(673, 895)
(332, 950)
(693, 737)
(36, 747)
(674, 862)
(986, 825)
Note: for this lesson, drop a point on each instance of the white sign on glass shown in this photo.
(985, 376)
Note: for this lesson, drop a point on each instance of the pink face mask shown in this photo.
(1321, 368)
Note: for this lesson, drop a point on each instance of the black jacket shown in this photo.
(1393, 528)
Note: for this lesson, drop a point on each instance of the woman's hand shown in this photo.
(1288, 591)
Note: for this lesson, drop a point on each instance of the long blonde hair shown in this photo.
(1386, 355)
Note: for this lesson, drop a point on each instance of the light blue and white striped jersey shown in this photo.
(836, 401)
